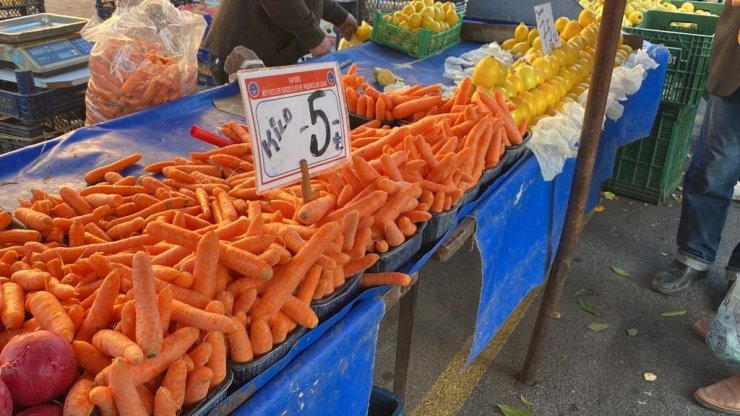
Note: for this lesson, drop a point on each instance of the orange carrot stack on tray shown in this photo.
(158, 279)
(408, 103)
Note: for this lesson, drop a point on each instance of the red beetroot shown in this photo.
(37, 367)
(42, 410)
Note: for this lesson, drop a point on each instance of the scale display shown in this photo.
(58, 52)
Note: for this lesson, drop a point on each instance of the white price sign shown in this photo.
(549, 37)
(295, 113)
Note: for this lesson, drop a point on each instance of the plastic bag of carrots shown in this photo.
(144, 55)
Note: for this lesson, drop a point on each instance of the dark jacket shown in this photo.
(724, 69)
(278, 31)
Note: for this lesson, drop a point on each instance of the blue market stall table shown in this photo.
(307, 376)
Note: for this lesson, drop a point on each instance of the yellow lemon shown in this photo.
(520, 48)
(533, 34)
(558, 82)
(635, 18)
(559, 54)
(571, 55)
(428, 2)
(439, 14)
(486, 72)
(521, 32)
(522, 109)
(571, 29)
(551, 93)
(537, 44)
(628, 9)
(428, 12)
(528, 99)
(586, 17)
(415, 20)
(560, 23)
(427, 22)
(418, 5)
(516, 82)
(528, 76)
(399, 16)
(540, 101)
(451, 17)
(408, 10)
(508, 87)
(447, 6)
(518, 115)
(541, 66)
(404, 25)
(508, 44)
(688, 7)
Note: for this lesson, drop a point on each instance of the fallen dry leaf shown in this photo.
(650, 376)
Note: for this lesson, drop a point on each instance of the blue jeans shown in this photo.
(709, 183)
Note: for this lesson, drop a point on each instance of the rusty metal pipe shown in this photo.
(606, 48)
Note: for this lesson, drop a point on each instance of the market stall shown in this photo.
(317, 364)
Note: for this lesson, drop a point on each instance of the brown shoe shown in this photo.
(701, 328)
(723, 396)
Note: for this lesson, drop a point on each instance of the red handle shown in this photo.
(209, 137)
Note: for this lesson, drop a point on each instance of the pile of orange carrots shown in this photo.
(158, 282)
(146, 80)
(408, 103)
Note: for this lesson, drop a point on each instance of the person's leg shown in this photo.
(708, 189)
(733, 266)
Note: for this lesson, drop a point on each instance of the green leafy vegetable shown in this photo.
(620, 271)
(598, 326)
(513, 411)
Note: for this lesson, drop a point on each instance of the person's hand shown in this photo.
(321, 49)
(349, 27)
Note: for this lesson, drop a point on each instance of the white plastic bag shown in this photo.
(555, 139)
(724, 334)
(144, 55)
(458, 67)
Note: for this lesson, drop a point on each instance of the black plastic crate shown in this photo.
(15, 135)
(384, 403)
(17, 8)
(32, 105)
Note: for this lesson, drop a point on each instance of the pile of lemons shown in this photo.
(425, 14)
(538, 84)
(634, 9)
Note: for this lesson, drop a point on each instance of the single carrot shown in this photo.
(102, 397)
(370, 107)
(32, 219)
(164, 403)
(148, 325)
(123, 388)
(382, 279)
(245, 299)
(116, 344)
(164, 305)
(362, 105)
(175, 380)
(217, 340)
(207, 321)
(5, 220)
(407, 109)
(75, 201)
(201, 353)
(31, 279)
(261, 336)
(50, 314)
(19, 236)
(198, 382)
(206, 264)
(89, 357)
(313, 211)
(240, 347)
(77, 402)
(203, 202)
(360, 264)
(71, 254)
(12, 312)
(301, 312)
(393, 235)
(227, 207)
(61, 291)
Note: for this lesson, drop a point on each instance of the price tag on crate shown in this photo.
(549, 37)
(295, 113)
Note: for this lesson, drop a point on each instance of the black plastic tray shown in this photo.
(398, 256)
(384, 403)
(438, 225)
(491, 174)
(356, 121)
(470, 195)
(327, 307)
(514, 153)
(244, 372)
(214, 398)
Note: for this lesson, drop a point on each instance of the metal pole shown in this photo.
(606, 48)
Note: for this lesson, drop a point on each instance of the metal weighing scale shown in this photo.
(49, 45)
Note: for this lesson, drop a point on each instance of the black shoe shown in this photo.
(676, 277)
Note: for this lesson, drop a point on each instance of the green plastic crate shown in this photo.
(419, 43)
(714, 8)
(694, 24)
(688, 66)
(651, 168)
